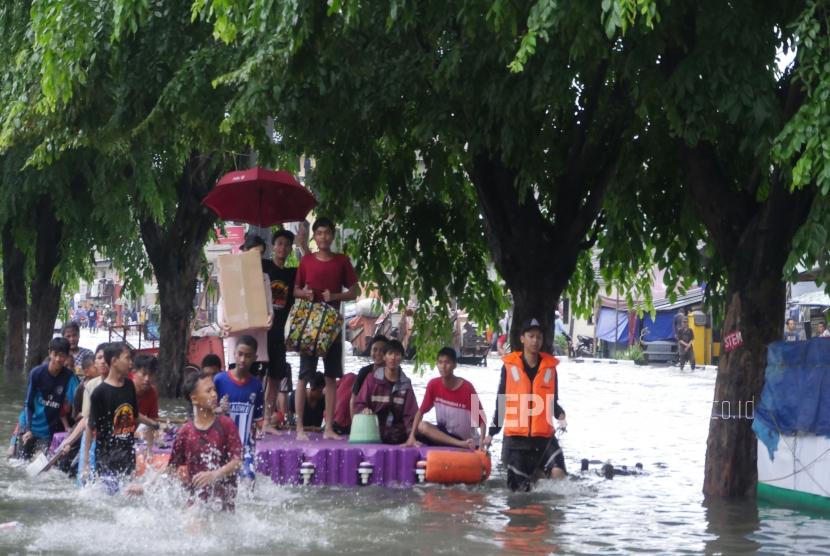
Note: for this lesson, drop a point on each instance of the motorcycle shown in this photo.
(585, 346)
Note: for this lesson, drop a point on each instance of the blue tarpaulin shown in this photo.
(612, 326)
(660, 328)
(796, 395)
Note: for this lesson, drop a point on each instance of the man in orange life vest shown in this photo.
(527, 403)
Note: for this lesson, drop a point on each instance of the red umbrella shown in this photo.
(260, 196)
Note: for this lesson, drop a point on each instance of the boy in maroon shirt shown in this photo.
(207, 451)
(323, 276)
(388, 394)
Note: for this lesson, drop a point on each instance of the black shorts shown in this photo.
(528, 461)
(278, 367)
(286, 384)
(332, 361)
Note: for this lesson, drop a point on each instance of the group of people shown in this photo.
(99, 398)
(793, 334)
(105, 399)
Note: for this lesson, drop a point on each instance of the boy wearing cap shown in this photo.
(527, 403)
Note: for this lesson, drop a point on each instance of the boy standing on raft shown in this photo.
(322, 276)
(527, 403)
(207, 451)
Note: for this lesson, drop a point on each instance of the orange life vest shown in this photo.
(523, 416)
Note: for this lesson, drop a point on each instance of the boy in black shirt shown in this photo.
(113, 418)
(279, 381)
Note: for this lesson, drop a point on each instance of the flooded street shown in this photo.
(622, 413)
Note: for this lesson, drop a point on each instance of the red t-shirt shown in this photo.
(334, 275)
(207, 450)
(148, 403)
(454, 408)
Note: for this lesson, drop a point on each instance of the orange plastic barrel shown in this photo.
(452, 467)
(157, 461)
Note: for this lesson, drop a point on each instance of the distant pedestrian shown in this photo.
(92, 319)
(685, 337)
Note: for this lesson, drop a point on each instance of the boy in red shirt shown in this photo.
(207, 451)
(457, 406)
(144, 371)
(145, 367)
(329, 277)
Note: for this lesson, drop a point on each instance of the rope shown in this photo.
(796, 460)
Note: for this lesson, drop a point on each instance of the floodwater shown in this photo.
(622, 413)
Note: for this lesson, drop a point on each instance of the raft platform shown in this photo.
(321, 462)
(338, 463)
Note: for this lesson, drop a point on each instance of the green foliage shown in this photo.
(562, 343)
(105, 103)
(633, 353)
(395, 101)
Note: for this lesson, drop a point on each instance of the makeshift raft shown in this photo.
(338, 463)
(320, 462)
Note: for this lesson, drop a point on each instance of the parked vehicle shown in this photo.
(585, 346)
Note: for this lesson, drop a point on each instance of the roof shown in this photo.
(692, 296)
(814, 299)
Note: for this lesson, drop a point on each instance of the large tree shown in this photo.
(731, 160)
(130, 85)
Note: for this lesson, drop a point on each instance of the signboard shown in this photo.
(732, 341)
(233, 236)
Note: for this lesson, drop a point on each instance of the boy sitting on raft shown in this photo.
(455, 400)
(388, 394)
(315, 403)
(207, 451)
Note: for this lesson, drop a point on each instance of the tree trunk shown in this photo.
(535, 257)
(176, 302)
(14, 297)
(754, 239)
(45, 294)
(176, 252)
(755, 310)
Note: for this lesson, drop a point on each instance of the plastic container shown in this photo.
(365, 429)
(454, 467)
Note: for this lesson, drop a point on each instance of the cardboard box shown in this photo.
(242, 287)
